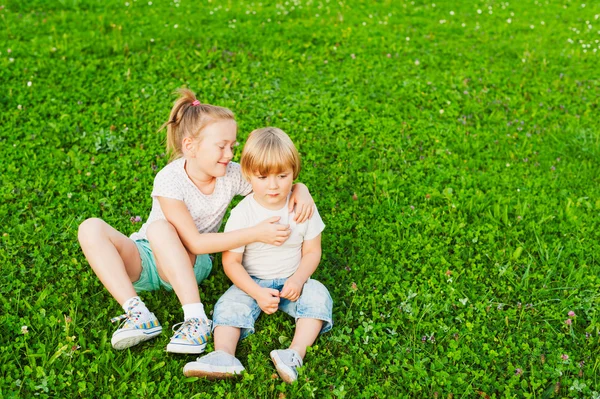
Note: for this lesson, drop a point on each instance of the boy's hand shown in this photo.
(270, 232)
(268, 300)
(292, 289)
(302, 202)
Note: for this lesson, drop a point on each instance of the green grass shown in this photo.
(454, 157)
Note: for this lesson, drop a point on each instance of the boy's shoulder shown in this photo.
(244, 206)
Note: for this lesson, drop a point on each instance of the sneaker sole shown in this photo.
(282, 370)
(127, 339)
(230, 372)
(186, 349)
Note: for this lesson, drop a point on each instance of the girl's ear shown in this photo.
(187, 147)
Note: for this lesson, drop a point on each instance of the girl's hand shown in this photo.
(268, 300)
(291, 289)
(303, 202)
(270, 232)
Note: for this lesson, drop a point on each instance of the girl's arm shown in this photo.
(267, 298)
(176, 213)
(311, 256)
(302, 201)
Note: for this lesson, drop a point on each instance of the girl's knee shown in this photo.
(90, 230)
(159, 229)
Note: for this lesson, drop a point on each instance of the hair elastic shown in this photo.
(195, 103)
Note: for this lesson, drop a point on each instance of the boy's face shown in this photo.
(271, 191)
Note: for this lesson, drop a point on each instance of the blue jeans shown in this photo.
(235, 308)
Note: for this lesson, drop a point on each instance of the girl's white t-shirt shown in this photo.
(267, 261)
(206, 210)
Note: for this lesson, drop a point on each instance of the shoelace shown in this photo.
(130, 316)
(296, 360)
(191, 328)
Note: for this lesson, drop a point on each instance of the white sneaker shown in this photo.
(191, 336)
(286, 362)
(215, 365)
(133, 330)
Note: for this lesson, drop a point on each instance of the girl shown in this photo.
(189, 199)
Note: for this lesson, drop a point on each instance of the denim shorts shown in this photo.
(150, 280)
(235, 308)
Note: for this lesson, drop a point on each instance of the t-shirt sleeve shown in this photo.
(242, 187)
(236, 221)
(167, 185)
(315, 226)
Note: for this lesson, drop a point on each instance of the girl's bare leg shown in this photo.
(113, 256)
(174, 263)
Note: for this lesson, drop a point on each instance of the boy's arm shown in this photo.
(267, 298)
(176, 213)
(311, 256)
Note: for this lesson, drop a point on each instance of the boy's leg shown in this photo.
(175, 266)
(313, 314)
(221, 363)
(307, 331)
(226, 339)
(288, 360)
(116, 261)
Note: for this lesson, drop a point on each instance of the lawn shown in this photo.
(453, 151)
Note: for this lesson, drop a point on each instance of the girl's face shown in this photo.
(213, 150)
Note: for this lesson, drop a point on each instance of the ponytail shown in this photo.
(187, 119)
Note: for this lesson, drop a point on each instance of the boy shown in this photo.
(268, 277)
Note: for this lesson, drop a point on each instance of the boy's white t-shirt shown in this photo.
(267, 261)
(206, 210)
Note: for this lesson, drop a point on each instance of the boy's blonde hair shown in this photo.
(269, 150)
(187, 119)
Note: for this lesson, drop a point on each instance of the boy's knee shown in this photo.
(158, 229)
(317, 292)
(90, 229)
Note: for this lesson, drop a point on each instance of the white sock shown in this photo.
(194, 311)
(138, 305)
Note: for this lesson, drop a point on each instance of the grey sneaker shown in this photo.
(286, 362)
(215, 365)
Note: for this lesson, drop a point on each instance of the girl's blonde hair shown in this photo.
(187, 119)
(269, 150)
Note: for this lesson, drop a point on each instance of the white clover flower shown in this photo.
(509, 20)
(417, 62)
(24, 330)
(29, 84)
(441, 111)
